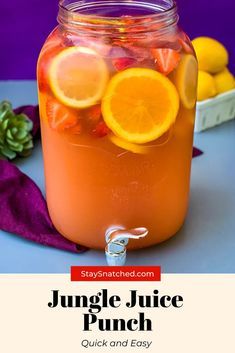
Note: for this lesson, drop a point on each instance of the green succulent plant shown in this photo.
(15, 137)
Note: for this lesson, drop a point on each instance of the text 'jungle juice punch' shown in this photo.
(117, 90)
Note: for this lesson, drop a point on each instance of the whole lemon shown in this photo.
(206, 86)
(212, 56)
(224, 81)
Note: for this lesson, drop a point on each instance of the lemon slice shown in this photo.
(186, 80)
(140, 105)
(78, 77)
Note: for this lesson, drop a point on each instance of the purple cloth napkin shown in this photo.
(23, 209)
(196, 152)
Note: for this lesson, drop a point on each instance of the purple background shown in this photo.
(24, 25)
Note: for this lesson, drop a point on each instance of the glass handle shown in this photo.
(117, 239)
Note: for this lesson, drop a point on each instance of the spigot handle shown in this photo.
(117, 239)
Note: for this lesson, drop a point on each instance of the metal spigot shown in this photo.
(117, 239)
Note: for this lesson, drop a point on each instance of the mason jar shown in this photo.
(117, 92)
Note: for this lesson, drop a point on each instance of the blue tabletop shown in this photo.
(206, 243)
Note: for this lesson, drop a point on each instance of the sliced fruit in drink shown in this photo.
(93, 114)
(60, 117)
(186, 80)
(185, 43)
(128, 146)
(78, 77)
(45, 59)
(123, 63)
(101, 130)
(166, 59)
(75, 130)
(140, 105)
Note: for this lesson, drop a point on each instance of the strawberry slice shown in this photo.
(94, 113)
(75, 130)
(44, 62)
(166, 59)
(185, 43)
(101, 130)
(43, 84)
(60, 117)
(123, 63)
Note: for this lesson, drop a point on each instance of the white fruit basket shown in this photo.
(215, 111)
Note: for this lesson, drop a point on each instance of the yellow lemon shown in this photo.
(206, 86)
(224, 81)
(212, 56)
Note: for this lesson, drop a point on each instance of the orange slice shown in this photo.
(186, 80)
(140, 105)
(78, 77)
(128, 146)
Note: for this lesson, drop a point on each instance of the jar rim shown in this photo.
(164, 13)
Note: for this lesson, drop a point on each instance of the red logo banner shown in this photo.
(117, 273)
